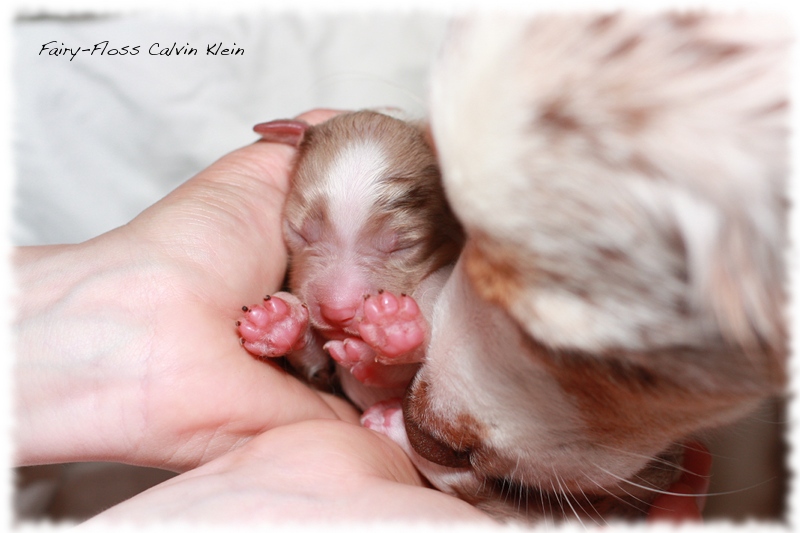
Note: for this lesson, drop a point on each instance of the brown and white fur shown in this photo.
(365, 217)
(621, 181)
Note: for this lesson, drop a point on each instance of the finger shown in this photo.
(316, 116)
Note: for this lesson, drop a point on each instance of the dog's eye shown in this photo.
(301, 236)
(294, 238)
(396, 244)
(404, 248)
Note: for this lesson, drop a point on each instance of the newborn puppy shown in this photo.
(621, 181)
(371, 241)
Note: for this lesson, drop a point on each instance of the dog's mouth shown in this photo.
(487, 481)
(594, 506)
(502, 496)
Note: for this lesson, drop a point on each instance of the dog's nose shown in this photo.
(431, 448)
(337, 315)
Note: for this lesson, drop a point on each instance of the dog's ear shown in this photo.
(283, 131)
(633, 199)
(735, 271)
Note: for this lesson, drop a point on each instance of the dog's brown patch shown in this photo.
(779, 106)
(492, 271)
(445, 442)
(625, 47)
(604, 23)
(716, 52)
(686, 21)
(668, 402)
(555, 117)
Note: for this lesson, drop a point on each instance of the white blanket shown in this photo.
(100, 137)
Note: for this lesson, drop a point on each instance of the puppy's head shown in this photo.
(621, 182)
(365, 212)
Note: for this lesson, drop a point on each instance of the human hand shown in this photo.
(324, 471)
(127, 348)
(319, 471)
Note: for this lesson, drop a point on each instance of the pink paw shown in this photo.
(349, 352)
(275, 327)
(394, 327)
(356, 356)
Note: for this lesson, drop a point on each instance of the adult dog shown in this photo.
(621, 182)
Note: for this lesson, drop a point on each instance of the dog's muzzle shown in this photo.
(429, 447)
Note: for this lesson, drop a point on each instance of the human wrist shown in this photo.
(74, 334)
(126, 345)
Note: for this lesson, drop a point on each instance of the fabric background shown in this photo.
(99, 138)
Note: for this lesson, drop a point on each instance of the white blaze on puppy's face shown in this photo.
(353, 181)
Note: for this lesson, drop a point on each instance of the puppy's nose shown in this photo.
(431, 448)
(337, 314)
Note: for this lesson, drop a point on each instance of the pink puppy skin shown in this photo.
(276, 327)
(371, 241)
(394, 327)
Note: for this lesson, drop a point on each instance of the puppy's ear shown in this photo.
(423, 125)
(286, 131)
(732, 257)
(427, 134)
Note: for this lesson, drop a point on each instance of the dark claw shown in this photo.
(403, 294)
(244, 308)
(238, 323)
(380, 291)
(241, 341)
(267, 297)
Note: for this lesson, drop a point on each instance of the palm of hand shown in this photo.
(215, 243)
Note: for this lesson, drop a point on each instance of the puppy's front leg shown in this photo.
(279, 326)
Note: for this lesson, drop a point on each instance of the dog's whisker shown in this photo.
(577, 501)
(480, 488)
(635, 497)
(567, 498)
(558, 500)
(659, 491)
(616, 496)
(527, 497)
(650, 459)
(596, 512)
(523, 493)
(544, 508)
(604, 489)
(503, 490)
